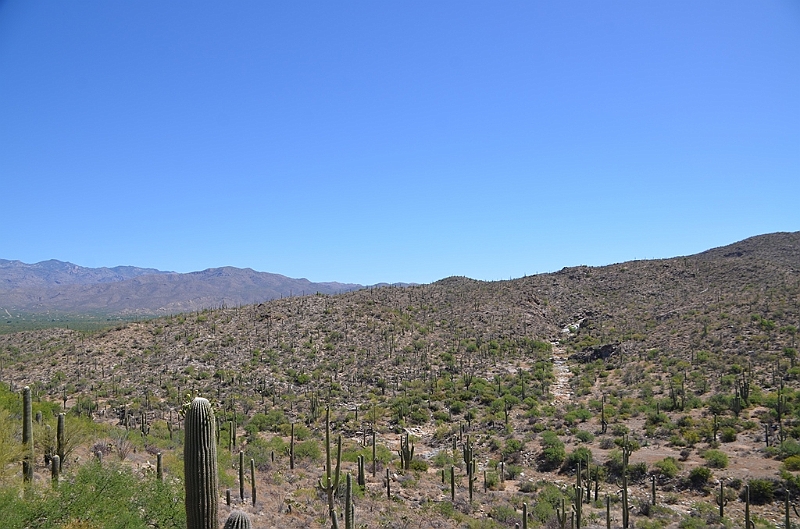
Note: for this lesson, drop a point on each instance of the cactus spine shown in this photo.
(237, 520)
(200, 466)
(27, 435)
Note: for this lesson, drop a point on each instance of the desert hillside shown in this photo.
(685, 367)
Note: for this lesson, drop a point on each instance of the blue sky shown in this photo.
(395, 141)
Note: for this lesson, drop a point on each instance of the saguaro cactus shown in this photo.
(721, 501)
(237, 520)
(61, 444)
(200, 466)
(241, 475)
(524, 516)
(291, 449)
(348, 495)
(748, 523)
(27, 435)
(253, 480)
(55, 468)
(406, 452)
(331, 484)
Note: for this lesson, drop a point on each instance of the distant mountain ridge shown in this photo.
(65, 287)
(16, 274)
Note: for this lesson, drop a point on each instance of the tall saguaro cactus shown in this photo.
(331, 483)
(200, 466)
(61, 443)
(27, 435)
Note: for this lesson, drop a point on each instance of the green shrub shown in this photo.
(513, 446)
(584, 436)
(792, 463)
(762, 491)
(553, 454)
(493, 481)
(727, 434)
(668, 467)
(699, 476)
(637, 471)
(580, 454)
(109, 495)
(307, 450)
(715, 458)
(552, 458)
(419, 465)
(505, 514)
(789, 448)
(512, 471)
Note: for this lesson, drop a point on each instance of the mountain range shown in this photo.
(66, 287)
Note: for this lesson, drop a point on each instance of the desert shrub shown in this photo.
(419, 465)
(553, 454)
(504, 514)
(699, 476)
(762, 491)
(584, 436)
(789, 448)
(262, 422)
(552, 457)
(512, 471)
(792, 463)
(580, 454)
(493, 481)
(442, 459)
(727, 434)
(260, 452)
(308, 450)
(715, 458)
(111, 496)
(513, 446)
(607, 443)
(668, 467)
(637, 471)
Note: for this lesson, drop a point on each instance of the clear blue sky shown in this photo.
(395, 141)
